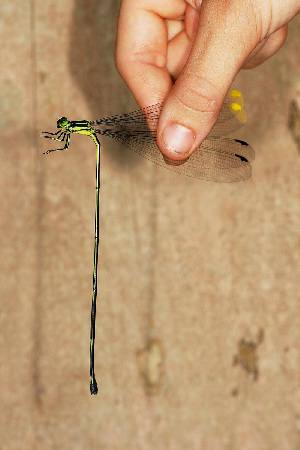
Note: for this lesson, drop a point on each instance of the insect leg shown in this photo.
(58, 138)
(59, 149)
(52, 134)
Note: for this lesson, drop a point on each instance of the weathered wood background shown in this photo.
(207, 274)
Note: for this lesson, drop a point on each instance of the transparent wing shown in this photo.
(232, 117)
(217, 159)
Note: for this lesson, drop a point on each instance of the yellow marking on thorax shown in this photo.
(80, 130)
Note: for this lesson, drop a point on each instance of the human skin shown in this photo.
(201, 45)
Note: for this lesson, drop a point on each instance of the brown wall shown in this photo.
(207, 273)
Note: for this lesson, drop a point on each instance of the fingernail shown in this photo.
(178, 139)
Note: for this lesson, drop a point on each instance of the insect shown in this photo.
(217, 159)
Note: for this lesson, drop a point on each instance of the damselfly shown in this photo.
(217, 159)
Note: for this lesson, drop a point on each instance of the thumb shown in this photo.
(226, 35)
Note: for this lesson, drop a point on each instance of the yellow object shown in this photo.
(237, 106)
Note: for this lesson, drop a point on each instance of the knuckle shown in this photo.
(198, 94)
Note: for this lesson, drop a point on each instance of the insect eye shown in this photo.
(62, 122)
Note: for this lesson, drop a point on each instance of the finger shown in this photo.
(266, 48)
(141, 50)
(226, 35)
(181, 35)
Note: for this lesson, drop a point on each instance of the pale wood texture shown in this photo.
(199, 272)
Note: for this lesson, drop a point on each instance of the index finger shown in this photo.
(141, 50)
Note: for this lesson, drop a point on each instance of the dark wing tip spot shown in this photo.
(242, 142)
(242, 158)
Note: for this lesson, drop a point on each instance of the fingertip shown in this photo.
(182, 128)
(174, 162)
(178, 141)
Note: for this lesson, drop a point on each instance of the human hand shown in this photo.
(202, 45)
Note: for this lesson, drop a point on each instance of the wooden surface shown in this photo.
(198, 325)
